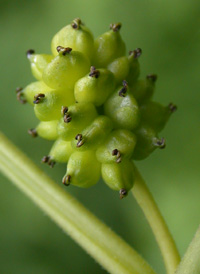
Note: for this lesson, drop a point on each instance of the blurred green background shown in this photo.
(169, 34)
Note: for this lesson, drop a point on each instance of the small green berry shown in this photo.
(119, 177)
(29, 92)
(143, 90)
(46, 130)
(134, 66)
(122, 108)
(120, 144)
(38, 63)
(83, 169)
(76, 36)
(120, 68)
(95, 87)
(156, 115)
(108, 47)
(147, 142)
(75, 119)
(60, 152)
(94, 135)
(65, 69)
(48, 106)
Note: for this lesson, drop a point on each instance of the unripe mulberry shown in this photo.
(90, 101)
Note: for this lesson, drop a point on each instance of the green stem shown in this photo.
(191, 260)
(91, 234)
(163, 237)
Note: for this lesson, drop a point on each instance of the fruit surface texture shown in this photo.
(90, 100)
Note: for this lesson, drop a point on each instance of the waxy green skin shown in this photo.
(95, 90)
(82, 115)
(33, 89)
(155, 115)
(118, 176)
(38, 63)
(64, 70)
(126, 68)
(90, 101)
(146, 142)
(134, 70)
(80, 39)
(94, 135)
(61, 151)
(50, 106)
(120, 68)
(121, 139)
(108, 47)
(143, 90)
(123, 111)
(83, 168)
(48, 130)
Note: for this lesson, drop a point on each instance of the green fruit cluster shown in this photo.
(90, 101)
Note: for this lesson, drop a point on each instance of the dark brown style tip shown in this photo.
(122, 193)
(64, 110)
(115, 27)
(38, 98)
(94, 72)
(161, 143)
(136, 53)
(122, 92)
(117, 153)
(63, 51)
(49, 161)
(32, 132)
(66, 116)
(172, 107)
(79, 138)
(152, 77)
(20, 95)
(30, 52)
(76, 23)
(66, 180)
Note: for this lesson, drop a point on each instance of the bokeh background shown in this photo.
(169, 34)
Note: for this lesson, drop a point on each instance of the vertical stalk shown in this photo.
(157, 223)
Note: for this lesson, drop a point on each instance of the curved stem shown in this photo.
(91, 234)
(191, 260)
(163, 237)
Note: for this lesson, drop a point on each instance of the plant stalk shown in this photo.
(190, 263)
(161, 232)
(98, 240)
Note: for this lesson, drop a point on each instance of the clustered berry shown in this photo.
(89, 100)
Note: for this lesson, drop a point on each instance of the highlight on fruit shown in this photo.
(90, 100)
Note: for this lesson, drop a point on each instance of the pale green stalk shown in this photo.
(190, 263)
(91, 234)
(161, 232)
